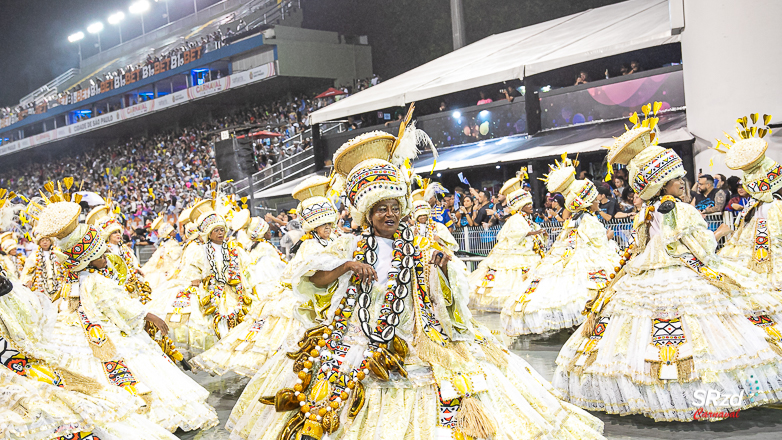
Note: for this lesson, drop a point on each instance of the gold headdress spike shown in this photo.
(213, 185)
(745, 131)
(649, 122)
(244, 202)
(557, 166)
(58, 194)
(522, 174)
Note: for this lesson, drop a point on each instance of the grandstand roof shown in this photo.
(589, 35)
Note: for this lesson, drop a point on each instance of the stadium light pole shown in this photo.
(76, 38)
(116, 19)
(140, 7)
(168, 16)
(96, 28)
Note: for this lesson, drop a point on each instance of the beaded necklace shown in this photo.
(43, 281)
(215, 286)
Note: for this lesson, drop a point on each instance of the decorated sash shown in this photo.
(26, 366)
(84, 435)
(522, 301)
(761, 255)
(586, 352)
(99, 342)
(774, 336)
(488, 282)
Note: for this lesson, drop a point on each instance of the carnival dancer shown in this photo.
(10, 259)
(670, 324)
(102, 329)
(42, 271)
(129, 274)
(577, 264)
(277, 319)
(43, 401)
(212, 290)
(519, 249)
(240, 223)
(161, 265)
(426, 226)
(398, 355)
(757, 242)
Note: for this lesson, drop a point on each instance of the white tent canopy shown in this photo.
(589, 35)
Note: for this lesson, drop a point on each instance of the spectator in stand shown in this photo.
(624, 69)
(636, 207)
(582, 78)
(501, 211)
(482, 212)
(608, 206)
(484, 99)
(709, 199)
(737, 203)
(584, 174)
(635, 67)
(720, 182)
(620, 183)
(557, 212)
(464, 215)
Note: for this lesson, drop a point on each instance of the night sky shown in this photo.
(403, 33)
(35, 46)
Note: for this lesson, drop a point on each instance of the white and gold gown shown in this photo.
(554, 294)
(757, 242)
(101, 329)
(13, 265)
(198, 316)
(500, 274)
(448, 379)
(275, 321)
(43, 270)
(40, 400)
(674, 324)
(162, 264)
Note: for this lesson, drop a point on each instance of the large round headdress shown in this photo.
(560, 175)
(762, 175)
(515, 194)
(80, 243)
(372, 165)
(315, 208)
(257, 229)
(581, 195)
(649, 165)
(420, 205)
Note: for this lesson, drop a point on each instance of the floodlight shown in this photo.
(95, 28)
(139, 7)
(116, 17)
(75, 37)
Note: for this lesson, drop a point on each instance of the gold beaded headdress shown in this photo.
(762, 175)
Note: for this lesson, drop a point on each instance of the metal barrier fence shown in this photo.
(477, 240)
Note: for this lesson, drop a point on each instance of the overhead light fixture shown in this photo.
(483, 113)
(95, 28)
(116, 17)
(75, 37)
(139, 7)
(457, 114)
(439, 175)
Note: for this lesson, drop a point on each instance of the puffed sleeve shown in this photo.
(774, 219)
(689, 232)
(515, 229)
(102, 296)
(29, 268)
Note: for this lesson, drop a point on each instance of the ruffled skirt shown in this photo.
(172, 399)
(189, 329)
(269, 327)
(555, 293)
(35, 410)
(666, 340)
(498, 278)
(519, 402)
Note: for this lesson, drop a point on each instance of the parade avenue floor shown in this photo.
(758, 423)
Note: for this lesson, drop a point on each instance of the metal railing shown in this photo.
(479, 240)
